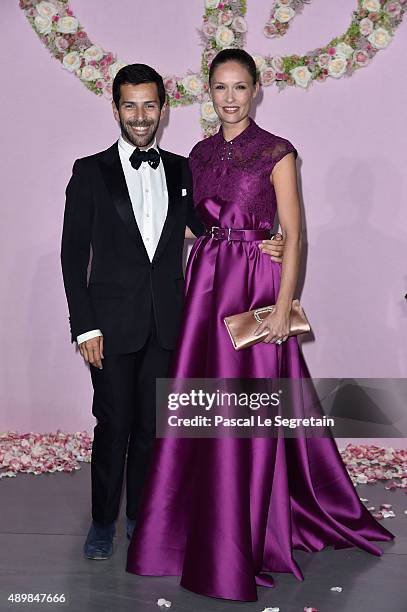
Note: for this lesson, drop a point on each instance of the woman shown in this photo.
(221, 513)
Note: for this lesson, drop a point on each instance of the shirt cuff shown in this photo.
(94, 333)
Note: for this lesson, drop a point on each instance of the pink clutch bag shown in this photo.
(241, 327)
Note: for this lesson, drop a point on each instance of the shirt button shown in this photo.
(147, 191)
(148, 239)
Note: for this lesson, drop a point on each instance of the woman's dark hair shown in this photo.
(134, 74)
(234, 55)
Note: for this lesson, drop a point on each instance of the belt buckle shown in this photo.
(213, 229)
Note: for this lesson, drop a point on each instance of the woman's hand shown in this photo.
(274, 247)
(277, 323)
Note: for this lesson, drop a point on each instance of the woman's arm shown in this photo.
(284, 179)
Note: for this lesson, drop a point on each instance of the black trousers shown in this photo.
(124, 406)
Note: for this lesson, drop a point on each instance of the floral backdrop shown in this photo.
(373, 24)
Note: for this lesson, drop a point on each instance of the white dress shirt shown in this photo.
(148, 193)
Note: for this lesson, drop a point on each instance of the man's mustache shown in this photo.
(136, 124)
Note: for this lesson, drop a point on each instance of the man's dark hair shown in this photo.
(234, 55)
(134, 74)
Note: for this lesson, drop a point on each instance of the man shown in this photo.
(127, 210)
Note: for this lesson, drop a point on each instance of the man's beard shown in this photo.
(139, 141)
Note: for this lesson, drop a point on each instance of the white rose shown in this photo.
(284, 14)
(93, 53)
(301, 76)
(210, 4)
(224, 36)
(366, 26)
(379, 38)
(373, 6)
(260, 62)
(277, 63)
(68, 25)
(344, 49)
(72, 61)
(90, 73)
(208, 112)
(46, 9)
(337, 66)
(193, 84)
(114, 68)
(43, 25)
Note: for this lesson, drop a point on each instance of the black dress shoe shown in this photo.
(99, 543)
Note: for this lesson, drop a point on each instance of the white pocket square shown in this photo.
(184, 192)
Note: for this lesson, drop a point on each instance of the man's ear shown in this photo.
(164, 110)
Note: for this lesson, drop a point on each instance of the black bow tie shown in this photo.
(151, 156)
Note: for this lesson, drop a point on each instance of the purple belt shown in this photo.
(242, 235)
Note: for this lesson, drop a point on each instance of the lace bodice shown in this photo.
(239, 171)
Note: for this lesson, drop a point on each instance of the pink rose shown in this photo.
(210, 55)
(277, 63)
(209, 29)
(270, 30)
(332, 51)
(61, 43)
(267, 76)
(170, 85)
(177, 95)
(69, 12)
(361, 58)
(99, 84)
(323, 59)
(239, 25)
(393, 9)
(225, 18)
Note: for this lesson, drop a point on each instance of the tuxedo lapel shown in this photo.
(113, 175)
(174, 182)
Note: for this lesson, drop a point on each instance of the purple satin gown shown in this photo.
(225, 513)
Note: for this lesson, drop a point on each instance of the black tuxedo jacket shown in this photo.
(122, 287)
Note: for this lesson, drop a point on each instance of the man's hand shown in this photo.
(92, 351)
(274, 247)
